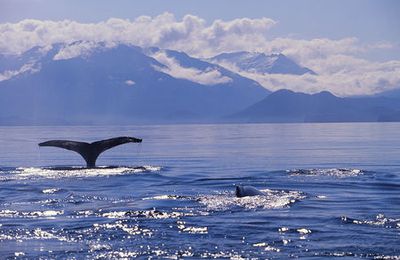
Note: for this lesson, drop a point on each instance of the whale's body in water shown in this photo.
(91, 151)
(244, 191)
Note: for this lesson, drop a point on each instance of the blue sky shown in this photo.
(353, 45)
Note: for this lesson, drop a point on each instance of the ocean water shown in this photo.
(330, 190)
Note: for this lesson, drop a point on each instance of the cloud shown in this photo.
(130, 82)
(337, 61)
(339, 74)
(26, 68)
(191, 34)
(210, 76)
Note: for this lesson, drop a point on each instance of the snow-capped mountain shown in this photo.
(261, 63)
(82, 83)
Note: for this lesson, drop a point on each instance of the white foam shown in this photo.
(50, 191)
(336, 172)
(272, 199)
(130, 229)
(118, 255)
(33, 214)
(303, 231)
(151, 214)
(115, 214)
(98, 247)
(283, 229)
(191, 229)
(71, 172)
(37, 233)
(380, 220)
(166, 197)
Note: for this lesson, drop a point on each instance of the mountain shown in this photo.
(261, 63)
(120, 84)
(289, 106)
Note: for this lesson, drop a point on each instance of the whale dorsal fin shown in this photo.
(90, 151)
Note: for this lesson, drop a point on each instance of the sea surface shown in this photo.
(331, 190)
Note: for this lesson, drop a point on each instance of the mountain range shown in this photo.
(121, 84)
(288, 106)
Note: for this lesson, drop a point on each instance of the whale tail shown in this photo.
(91, 151)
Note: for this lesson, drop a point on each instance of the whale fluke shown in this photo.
(244, 191)
(91, 151)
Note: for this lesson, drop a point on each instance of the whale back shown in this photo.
(244, 191)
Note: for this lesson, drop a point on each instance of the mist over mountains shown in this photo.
(82, 83)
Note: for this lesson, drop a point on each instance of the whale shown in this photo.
(91, 151)
(244, 191)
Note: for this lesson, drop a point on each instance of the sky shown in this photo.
(353, 45)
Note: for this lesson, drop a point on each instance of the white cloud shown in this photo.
(341, 75)
(26, 68)
(191, 34)
(337, 62)
(130, 82)
(210, 76)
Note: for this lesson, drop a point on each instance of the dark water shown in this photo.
(331, 190)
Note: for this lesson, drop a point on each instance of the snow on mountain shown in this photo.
(260, 63)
